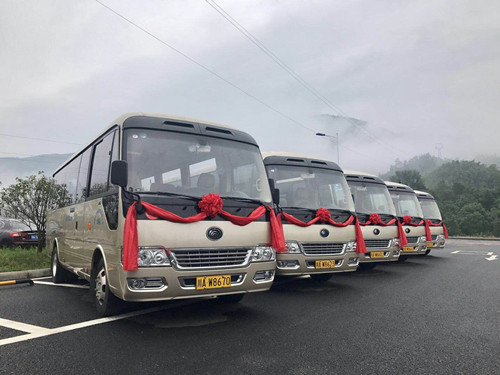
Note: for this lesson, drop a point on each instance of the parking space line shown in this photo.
(19, 326)
(42, 332)
(63, 285)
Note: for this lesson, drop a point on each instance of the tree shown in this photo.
(30, 198)
(412, 178)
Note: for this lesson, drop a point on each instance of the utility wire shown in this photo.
(39, 139)
(206, 68)
(289, 70)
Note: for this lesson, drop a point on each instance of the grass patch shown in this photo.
(20, 259)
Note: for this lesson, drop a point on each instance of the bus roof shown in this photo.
(396, 186)
(121, 120)
(362, 177)
(423, 195)
(300, 160)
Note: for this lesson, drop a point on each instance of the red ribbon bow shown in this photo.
(210, 206)
(428, 224)
(324, 216)
(374, 219)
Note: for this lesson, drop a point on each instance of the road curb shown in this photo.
(476, 238)
(28, 274)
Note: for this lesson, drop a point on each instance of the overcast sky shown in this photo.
(417, 73)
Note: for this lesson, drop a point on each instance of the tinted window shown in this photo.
(68, 178)
(100, 166)
(81, 190)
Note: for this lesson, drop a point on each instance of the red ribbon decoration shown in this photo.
(324, 216)
(210, 206)
(374, 219)
(429, 224)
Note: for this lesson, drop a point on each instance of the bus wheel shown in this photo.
(427, 251)
(59, 273)
(402, 258)
(231, 298)
(105, 301)
(320, 278)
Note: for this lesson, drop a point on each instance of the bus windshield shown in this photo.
(406, 204)
(194, 165)
(311, 187)
(372, 198)
(430, 209)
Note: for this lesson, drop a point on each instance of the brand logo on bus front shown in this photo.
(214, 233)
(376, 231)
(407, 230)
(324, 233)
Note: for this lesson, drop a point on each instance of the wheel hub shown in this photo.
(100, 286)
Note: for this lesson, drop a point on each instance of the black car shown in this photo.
(15, 233)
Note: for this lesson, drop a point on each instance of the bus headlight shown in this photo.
(150, 256)
(422, 239)
(263, 254)
(350, 246)
(292, 247)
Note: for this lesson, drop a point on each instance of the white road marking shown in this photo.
(493, 257)
(470, 252)
(63, 285)
(455, 252)
(18, 326)
(36, 332)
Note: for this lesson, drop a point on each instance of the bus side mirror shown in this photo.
(274, 192)
(119, 173)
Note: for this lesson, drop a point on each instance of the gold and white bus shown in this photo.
(411, 217)
(318, 216)
(164, 207)
(431, 213)
(377, 216)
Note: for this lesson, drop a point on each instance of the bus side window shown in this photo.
(100, 166)
(81, 187)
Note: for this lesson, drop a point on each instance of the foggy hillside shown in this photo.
(10, 168)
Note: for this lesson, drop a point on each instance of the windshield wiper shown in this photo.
(242, 199)
(168, 194)
(300, 208)
(341, 211)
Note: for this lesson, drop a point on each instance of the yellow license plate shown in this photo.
(408, 248)
(213, 282)
(377, 254)
(322, 264)
(430, 244)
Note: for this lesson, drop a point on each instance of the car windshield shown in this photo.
(406, 203)
(430, 209)
(311, 187)
(371, 198)
(194, 165)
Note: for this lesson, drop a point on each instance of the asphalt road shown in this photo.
(434, 314)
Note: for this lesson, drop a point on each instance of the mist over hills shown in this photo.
(12, 167)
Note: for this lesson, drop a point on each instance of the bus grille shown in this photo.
(377, 244)
(323, 248)
(434, 237)
(412, 239)
(211, 258)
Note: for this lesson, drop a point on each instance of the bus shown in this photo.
(411, 217)
(375, 210)
(163, 207)
(437, 228)
(317, 213)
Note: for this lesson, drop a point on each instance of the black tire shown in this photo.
(367, 266)
(59, 273)
(320, 278)
(106, 302)
(231, 298)
(402, 258)
(427, 252)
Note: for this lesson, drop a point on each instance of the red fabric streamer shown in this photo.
(324, 216)
(429, 224)
(211, 206)
(374, 219)
(407, 220)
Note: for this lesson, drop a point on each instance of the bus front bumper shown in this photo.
(176, 284)
(373, 255)
(300, 264)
